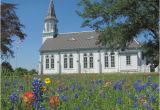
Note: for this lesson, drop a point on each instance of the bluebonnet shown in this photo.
(73, 87)
(118, 100)
(135, 103)
(118, 85)
(152, 99)
(137, 86)
(37, 91)
(154, 86)
(78, 108)
(63, 98)
(13, 98)
(76, 95)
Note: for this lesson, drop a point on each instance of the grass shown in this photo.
(95, 91)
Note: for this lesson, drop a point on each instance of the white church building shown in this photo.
(77, 52)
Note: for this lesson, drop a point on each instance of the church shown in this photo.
(77, 52)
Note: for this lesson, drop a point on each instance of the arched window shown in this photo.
(106, 61)
(47, 62)
(91, 60)
(70, 61)
(112, 59)
(52, 61)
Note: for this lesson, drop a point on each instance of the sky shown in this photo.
(31, 14)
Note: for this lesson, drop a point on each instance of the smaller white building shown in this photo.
(78, 53)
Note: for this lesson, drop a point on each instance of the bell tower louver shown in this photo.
(50, 23)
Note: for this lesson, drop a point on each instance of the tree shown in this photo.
(21, 71)
(121, 21)
(6, 66)
(10, 27)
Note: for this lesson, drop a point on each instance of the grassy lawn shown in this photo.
(82, 92)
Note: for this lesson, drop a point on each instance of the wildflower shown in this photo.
(118, 100)
(37, 91)
(147, 106)
(76, 95)
(107, 83)
(152, 99)
(78, 108)
(54, 101)
(63, 98)
(47, 80)
(142, 99)
(117, 85)
(13, 97)
(135, 103)
(44, 88)
(28, 97)
(154, 86)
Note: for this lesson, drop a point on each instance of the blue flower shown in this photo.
(154, 86)
(63, 98)
(152, 99)
(73, 87)
(37, 91)
(147, 106)
(13, 97)
(76, 95)
(78, 108)
(135, 103)
(118, 100)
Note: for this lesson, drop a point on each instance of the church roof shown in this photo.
(75, 41)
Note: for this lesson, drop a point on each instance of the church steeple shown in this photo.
(50, 24)
(51, 11)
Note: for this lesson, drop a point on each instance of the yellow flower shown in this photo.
(43, 88)
(47, 80)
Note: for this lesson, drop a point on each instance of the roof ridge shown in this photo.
(76, 32)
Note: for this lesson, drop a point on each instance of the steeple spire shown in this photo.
(51, 11)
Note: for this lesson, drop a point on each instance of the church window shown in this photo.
(71, 61)
(85, 60)
(91, 60)
(65, 61)
(106, 63)
(52, 61)
(47, 62)
(128, 60)
(112, 60)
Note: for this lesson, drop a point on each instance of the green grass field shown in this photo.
(83, 92)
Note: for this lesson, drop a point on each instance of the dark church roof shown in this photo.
(75, 41)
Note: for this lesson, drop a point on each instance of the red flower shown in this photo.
(54, 101)
(28, 97)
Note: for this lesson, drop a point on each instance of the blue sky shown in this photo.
(31, 14)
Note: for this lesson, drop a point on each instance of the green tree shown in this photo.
(21, 71)
(10, 27)
(121, 21)
(6, 66)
